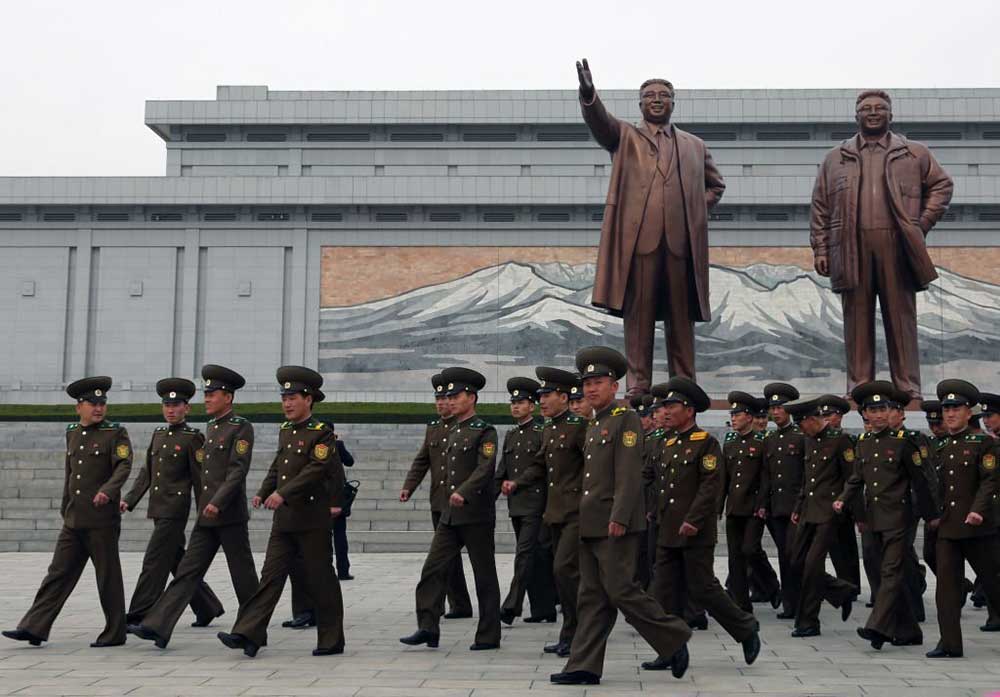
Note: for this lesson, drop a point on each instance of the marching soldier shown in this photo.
(171, 472)
(643, 405)
(525, 505)
(743, 502)
(304, 478)
(612, 518)
(783, 454)
(469, 520)
(222, 505)
(431, 459)
(967, 528)
(690, 491)
(829, 463)
(990, 407)
(844, 548)
(558, 467)
(98, 460)
(577, 403)
(888, 465)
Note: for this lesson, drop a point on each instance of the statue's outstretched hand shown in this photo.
(586, 80)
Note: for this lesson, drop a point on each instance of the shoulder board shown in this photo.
(731, 436)
(673, 439)
(834, 431)
(574, 419)
(548, 421)
(110, 426)
(161, 428)
(286, 424)
(72, 427)
(901, 434)
(191, 429)
(317, 426)
(237, 420)
(435, 422)
(538, 427)
(975, 438)
(618, 411)
(865, 435)
(478, 424)
(768, 434)
(760, 435)
(914, 434)
(658, 434)
(699, 435)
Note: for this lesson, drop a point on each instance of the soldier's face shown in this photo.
(812, 425)
(600, 391)
(175, 412)
(462, 403)
(553, 403)
(778, 415)
(760, 423)
(660, 417)
(297, 407)
(896, 418)
(678, 416)
(521, 409)
(581, 407)
(90, 413)
(443, 406)
(656, 103)
(937, 428)
(956, 418)
(873, 115)
(648, 424)
(218, 402)
(741, 420)
(878, 417)
(834, 419)
(992, 422)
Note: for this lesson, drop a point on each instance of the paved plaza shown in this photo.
(379, 607)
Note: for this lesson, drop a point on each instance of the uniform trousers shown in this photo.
(813, 541)
(782, 532)
(458, 591)
(566, 569)
(532, 568)
(743, 535)
(893, 614)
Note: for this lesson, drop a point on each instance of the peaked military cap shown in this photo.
(522, 388)
(219, 377)
(556, 380)
(954, 393)
(462, 380)
(832, 404)
(932, 408)
(297, 379)
(438, 383)
(803, 408)
(600, 361)
(900, 399)
(175, 390)
(777, 393)
(684, 391)
(92, 389)
(760, 408)
(576, 391)
(741, 401)
(643, 404)
(990, 402)
(877, 393)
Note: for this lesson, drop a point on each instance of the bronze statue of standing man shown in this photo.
(652, 263)
(876, 197)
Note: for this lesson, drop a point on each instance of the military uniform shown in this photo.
(783, 462)
(932, 411)
(691, 481)
(171, 472)
(829, 463)
(98, 460)
(742, 496)
(431, 459)
(525, 505)
(306, 473)
(844, 549)
(228, 452)
(558, 468)
(967, 485)
(888, 463)
(612, 493)
(470, 457)
(652, 446)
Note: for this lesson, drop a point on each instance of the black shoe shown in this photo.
(238, 641)
(205, 621)
(148, 634)
(306, 619)
(660, 663)
(576, 677)
(564, 650)
(756, 597)
(541, 618)
(776, 599)
(914, 641)
(421, 636)
(331, 651)
(700, 622)
(552, 648)
(845, 610)
(106, 644)
(870, 604)
(978, 602)
(679, 662)
(967, 589)
(507, 616)
(482, 646)
(456, 615)
(877, 639)
(803, 632)
(990, 627)
(344, 577)
(751, 647)
(943, 653)
(23, 635)
(786, 615)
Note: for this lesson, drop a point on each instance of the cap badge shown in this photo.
(951, 395)
(208, 383)
(440, 388)
(98, 393)
(573, 390)
(735, 405)
(591, 368)
(877, 398)
(774, 398)
(172, 395)
(516, 392)
(287, 385)
(451, 385)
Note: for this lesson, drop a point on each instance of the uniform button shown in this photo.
(452, 487)
(737, 486)
(552, 469)
(552, 483)
(587, 475)
(286, 462)
(952, 503)
(874, 483)
(952, 487)
(78, 476)
(294, 432)
(588, 457)
(79, 462)
(205, 488)
(216, 426)
(77, 491)
(811, 493)
(812, 479)
(671, 500)
(661, 491)
(298, 450)
(739, 474)
(951, 471)
(156, 488)
(876, 498)
(206, 471)
(586, 493)
(442, 482)
(779, 475)
(284, 477)
(312, 498)
(81, 447)
(180, 493)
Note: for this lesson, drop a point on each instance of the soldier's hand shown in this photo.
(838, 506)
(404, 495)
(934, 524)
(795, 518)
(586, 80)
(122, 507)
(211, 511)
(974, 519)
(456, 500)
(100, 499)
(615, 529)
(255, 502)
(650, 517)
(822, 264)
(508, 487)
(274, 501)
(687, 530)
(861, 527)
(336, 512)
(761, 513)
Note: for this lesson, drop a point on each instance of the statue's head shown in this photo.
(656, 100)
(873, 112)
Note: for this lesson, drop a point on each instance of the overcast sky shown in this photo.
(76, 74)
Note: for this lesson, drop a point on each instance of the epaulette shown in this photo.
(537, 427)
(617, 411)
(161, 428)
(901, 434)
(478, 424)
(548, 421)
(768, 434)
(286, 424)
(975, 437)
(190, 429)
(760, 435)
(110, 426)
(657, 434)
(72, 427)
(435, 422)
(865, 435)
(699, 435)
(834, 431)
(316, 425)
(237, 420)
(732, 436)
(574, 419)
